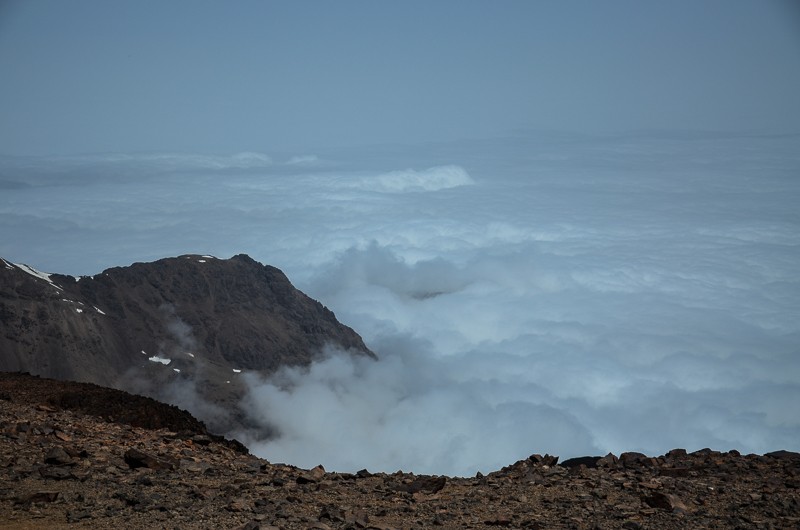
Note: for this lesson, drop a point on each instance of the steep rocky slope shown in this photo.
(194, 320)
(95, 464)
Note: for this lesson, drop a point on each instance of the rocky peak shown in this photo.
(140, 327)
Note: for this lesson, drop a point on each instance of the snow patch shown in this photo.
(79, 310)
(190, 354)
(178, 370)
(144, 352)
(38, 274)
(98, 310)
(236, 371)
(201, 261)
(162, 360)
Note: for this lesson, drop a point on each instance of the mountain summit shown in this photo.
(190, 318)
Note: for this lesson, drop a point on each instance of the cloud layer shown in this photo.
(571, 295)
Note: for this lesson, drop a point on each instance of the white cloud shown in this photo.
(303, 160)
(575, 296)
(409, 180)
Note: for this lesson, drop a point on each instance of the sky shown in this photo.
(107, 76)
(564, 227)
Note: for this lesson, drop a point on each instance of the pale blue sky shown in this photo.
(107, 76)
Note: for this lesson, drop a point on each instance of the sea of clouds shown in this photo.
(536, 293)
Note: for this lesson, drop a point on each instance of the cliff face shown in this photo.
(192, 317)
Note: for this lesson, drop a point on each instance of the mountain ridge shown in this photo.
(192, 320)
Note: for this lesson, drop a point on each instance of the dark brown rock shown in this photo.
(56, 472)
(632, 459)
(610, 460)
(783, 455)
(358, 517)
(57, 456)
(500, 519)
(136, 459)
(666, 501)
(39, 496)
(332, 513)
(311, 476)
(424, 484)
(546, 460)
(588, 461)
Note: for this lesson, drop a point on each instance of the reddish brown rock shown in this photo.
(91, 485)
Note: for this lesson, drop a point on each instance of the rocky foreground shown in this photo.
(81, 456)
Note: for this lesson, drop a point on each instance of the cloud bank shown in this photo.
(536, 293)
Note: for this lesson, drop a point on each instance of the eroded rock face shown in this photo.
(71, 465)
(143, 327)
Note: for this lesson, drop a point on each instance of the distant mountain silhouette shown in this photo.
(140, 328)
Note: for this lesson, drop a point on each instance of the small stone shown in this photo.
(588, 461)
(193, 467)
(631, 459)
(676, 453)
(39, 496)
(332, 513)
(666, 501)
(501, 519)
(610, 460)
(425, 484)
(136, 458)
(64, 437)
(57, 456)
(311, 476)
(358, 517)
(546, 460)
(201, 439)
(55, 472)
(77, 515)
(239, 505)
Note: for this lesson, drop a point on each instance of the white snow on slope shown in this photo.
(38, 274)
(157, 359)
